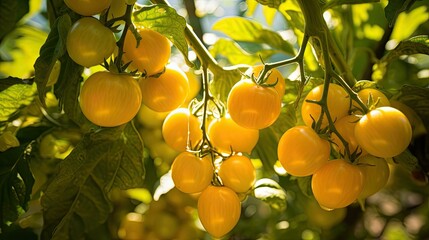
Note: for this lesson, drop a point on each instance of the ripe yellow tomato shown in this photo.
(117, 9)
(375, 174)
(274, 76)
(338, 102)
(181, 130)
(132, 227)
(219, 210)
(375, 94)
(166, 92)
(109, 99)
(151, 54)
(150, 118)
(190, 173)
(337, 184)
(253, 106)
(238, 173)
(89, 42)
(302, 152)
(383, 132)
(226, 135)
(88, 7)
(346, 127)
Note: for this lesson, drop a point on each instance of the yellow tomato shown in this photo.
(274, 76)
(238, 173)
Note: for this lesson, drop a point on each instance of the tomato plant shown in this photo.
(219, 210)
(238, 173)
(89, 42)
(383, 132)
(226, 136)
(88, 7)
(337, 184)
(273, 77)
(302, 152)
(190, 173)
(104, 95)
(253, 106)
(165, 92)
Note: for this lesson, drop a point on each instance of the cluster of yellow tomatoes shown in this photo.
(381, 133)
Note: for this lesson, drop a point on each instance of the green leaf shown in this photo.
(271, 3)
(245, 30)
(407, 160)
(271, 192)
(52, 49)
(395, 7)
(11, 11)
(407, 23)
(236, 55)
(76, 200)
(418, 99)
(15, 94)
(165, 20)
(222, 82)
(16, 182)
(304, 184)
(414, 45)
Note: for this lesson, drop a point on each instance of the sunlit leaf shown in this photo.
(104, 160)
(271, 3)
(408, 22)
(15, 94)
(245, 30)
(222, 82)
(270, 192)
(165, 20)
(269, 14)
(414, 45)
(395, 7)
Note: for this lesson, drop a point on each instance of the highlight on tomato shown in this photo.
(88, 7)
(89, 42)
(337, 184)
(190, 173)
(383, 132)
(103, 97)
(346, 128)
(238, 173)
(150, 54)
(273, 76)
(338, 102)
(219, 210)
(226, 136)
(181, 130)
(253, 106)
(375, 172)
(302, 152)
(166, 92)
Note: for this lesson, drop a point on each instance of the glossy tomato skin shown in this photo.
(89, 42)
(253, 106)
(302, 152)
(383, 132)
(176, 127)
(338, 104)
(346, 127)
(103, 97)
(226, 135)
(166, 92)
(88, 7)
(190, 173)
(152, 53)
(337, 184)
(375, 174)
(274, 77)
(219, 210)
(238, 173)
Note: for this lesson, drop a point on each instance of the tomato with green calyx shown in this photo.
(165, 92)
(88, 7)
(89, 42)
(346, 128)
(383, 132)
(338, 102)
(150, 55)
(181, 130)
(226, 136)
(253, 106)
(273, 76)
(375, 174)
(238, 173)
(337, 184)
(302, 152)
(109, 99)
(371, 96)
(190, 173)
(219, 210)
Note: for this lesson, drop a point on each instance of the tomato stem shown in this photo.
(120, 43)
